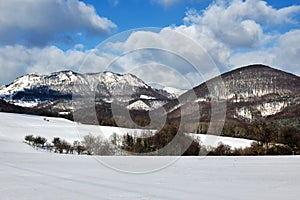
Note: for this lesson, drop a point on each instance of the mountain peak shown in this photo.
(258, 68)
(66, 72)
(252, 81)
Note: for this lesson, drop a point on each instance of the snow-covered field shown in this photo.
(17, 126)
(26, 173)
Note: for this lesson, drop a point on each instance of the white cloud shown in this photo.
(38, 22)
(284, 54)
(79, 46)
(147, 71)
(18, 60)
(168, 48)
(238, 24)
(228, 27)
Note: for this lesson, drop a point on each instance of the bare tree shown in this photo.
(97, 145)
(39, 141)
(78, 147)
(29, 139)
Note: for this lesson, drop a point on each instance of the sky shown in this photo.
(189, 41)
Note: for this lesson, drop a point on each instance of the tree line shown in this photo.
(269, 140)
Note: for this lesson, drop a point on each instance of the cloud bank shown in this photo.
(36, 23)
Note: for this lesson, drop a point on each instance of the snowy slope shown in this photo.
(16, 126)
(138, 105)
(213, 141)
(175, 91)
(29, 174)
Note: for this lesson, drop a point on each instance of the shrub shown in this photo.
(221, 150)
(29, 139)
(78, 147)
(39, 141)
(58, 145)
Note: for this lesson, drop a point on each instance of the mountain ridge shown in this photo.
(251, 93)
(65, 85)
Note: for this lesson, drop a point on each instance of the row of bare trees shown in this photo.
(91, 145)
(57, 145)
(269, 141)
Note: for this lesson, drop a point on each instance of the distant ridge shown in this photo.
(252, 92)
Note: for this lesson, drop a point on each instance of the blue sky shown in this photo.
(132, 14)
(139, 13)
(52, 35)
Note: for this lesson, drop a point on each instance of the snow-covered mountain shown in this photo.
(175, 91)
(60, 88)
(251, 93)
(61, 81)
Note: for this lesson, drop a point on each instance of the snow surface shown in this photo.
(244, 112)
(271, 108)
(27, 104)
(138, 105)
(30, 174)
(175, 91)
(17, 126)
(213, 141)
(20, 83)
(141, 105)
(142, 96)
